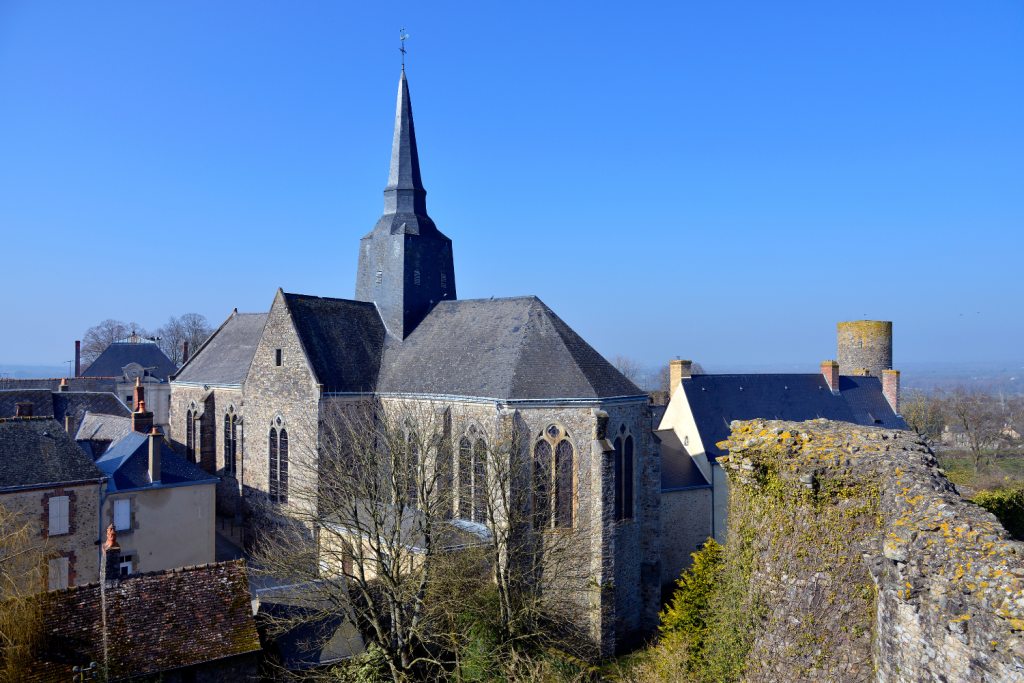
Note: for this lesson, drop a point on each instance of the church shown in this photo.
(262, 379)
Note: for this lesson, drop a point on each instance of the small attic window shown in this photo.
(380, 276)
(686, 440)
(444, 280)
(874, 419)
(277, 357)
(416, 277)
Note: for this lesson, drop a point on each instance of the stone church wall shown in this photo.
(685, 526)
(866, 562)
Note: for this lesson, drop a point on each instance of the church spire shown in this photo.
(405, 263)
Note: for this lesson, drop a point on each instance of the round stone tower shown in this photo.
(864, 347)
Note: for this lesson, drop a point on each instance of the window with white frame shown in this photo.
(125, 565)
(123, 514)
(58, 570)
(60, 518)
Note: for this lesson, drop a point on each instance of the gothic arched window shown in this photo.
(465, 478)
(480, 481)
(413, 465)
(472, 466)
(278, 464)
(190, 437)
(553, 479)
(230, 440)
(623, 475)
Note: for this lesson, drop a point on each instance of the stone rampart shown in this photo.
(865, 563)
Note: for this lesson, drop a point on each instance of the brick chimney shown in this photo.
(63, 384)
(678, 370)
(830, 369)
(23, 409)
(78, 359)
(142, 421)
(184, 352)
(154, 456)
(891, 388)
(112, 553)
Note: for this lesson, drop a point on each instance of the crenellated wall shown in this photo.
(866, 565)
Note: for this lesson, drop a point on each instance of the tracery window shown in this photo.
(472, 468)
(553, 479)
(230, 440)
(190, 436)
(278, 451)
(623, 474)
(413, 463)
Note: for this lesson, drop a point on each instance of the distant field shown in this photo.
(1001, 470)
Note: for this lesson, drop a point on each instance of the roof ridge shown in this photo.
(329, 298)
(26, 418)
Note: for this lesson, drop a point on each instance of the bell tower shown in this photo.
(405, 263)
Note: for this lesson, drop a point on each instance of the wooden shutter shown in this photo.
(58, 571)
(122, 514)
(59, 515)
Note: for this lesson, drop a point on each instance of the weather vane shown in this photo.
(402, 35)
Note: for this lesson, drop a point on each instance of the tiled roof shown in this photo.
(678, 470)
(155, 622)
(225, 357)
(35, 452)
(116, 357)
(717, 400)
(514, 348)
(108, 384)
(126, 462)
(343, 340)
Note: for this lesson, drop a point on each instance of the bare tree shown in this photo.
(191, 327)
(96, 339)
(23, 573)
(978, 413)
(440, 540)
(629, 367)
(922, 412)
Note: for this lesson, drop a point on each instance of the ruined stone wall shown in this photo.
(866, 565)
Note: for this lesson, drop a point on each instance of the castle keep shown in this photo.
(263, 382)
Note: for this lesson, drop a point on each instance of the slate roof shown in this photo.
(41, 400)
(717, 400)
(315, 637)
(73, 404)
(119, 355)
(37, 452)
(509, 349)
(103, 427)
(226, 356)
(127, 464)
(107, 384)
(156, 622)
(678, 470)
(344, 340)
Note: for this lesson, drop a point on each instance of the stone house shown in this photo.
(162, 506)
(46, 476)
(262, 382)
(190, 625)
(702, 407)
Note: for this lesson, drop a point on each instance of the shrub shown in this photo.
(1007, 505)
(686, 612)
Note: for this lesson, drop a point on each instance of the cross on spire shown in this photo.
(402, 35)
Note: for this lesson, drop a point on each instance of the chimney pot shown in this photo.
(154, 456)
(23, 409)
(112, 554)
(678, 371)
(63, 384)
(830, 369)
(891, 388)
(142, 420)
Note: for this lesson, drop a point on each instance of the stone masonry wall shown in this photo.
(866, 565)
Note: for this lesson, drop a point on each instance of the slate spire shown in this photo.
(405, 263)
(404, 192)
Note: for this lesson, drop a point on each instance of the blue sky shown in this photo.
(719, 181)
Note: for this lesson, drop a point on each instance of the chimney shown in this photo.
(678, 371)
(23, 409)
(112, 555)
(78, 359)
(891, 388)
(154, 456)
(184, 352)
(142, 421)
(830, 369)
(63, 384)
